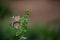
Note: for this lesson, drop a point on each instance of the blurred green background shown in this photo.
(44, 24)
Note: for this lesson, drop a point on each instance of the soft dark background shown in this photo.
(41, 11)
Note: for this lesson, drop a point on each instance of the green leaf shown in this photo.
(23, 38)
(19, 31)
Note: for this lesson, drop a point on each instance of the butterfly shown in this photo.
(15, 21)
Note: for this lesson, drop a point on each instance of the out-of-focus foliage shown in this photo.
(4, 10)
(6, 33)
(35, 32)
(43, 32)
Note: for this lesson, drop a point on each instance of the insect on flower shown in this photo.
(15, 21)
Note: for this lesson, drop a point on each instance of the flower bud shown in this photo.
(26, 11)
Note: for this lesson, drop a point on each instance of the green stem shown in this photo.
(23, 26)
